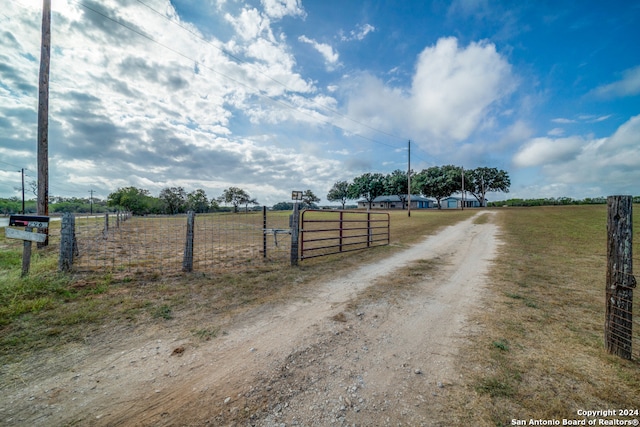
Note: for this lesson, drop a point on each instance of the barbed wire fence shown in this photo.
(157, 245)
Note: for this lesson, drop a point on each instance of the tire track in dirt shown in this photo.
(384, 362)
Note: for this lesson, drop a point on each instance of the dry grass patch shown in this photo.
(46, 309)
(540, 352)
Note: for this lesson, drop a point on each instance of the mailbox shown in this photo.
(35, 221)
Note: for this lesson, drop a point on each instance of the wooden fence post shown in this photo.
(295, 228)
(26, 255)
(620, 280)
(68, 246)
(187, 261)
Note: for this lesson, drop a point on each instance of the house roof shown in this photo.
(395, 198)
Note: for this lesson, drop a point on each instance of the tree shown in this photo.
(175, 199)
(197, 201)
(339, 193)
(398, 185)
(282, 206)
(309, 199)
(438, 182)
(481, 180)
(135, 200)
(234, 195)
(248, 202)
(368, 185)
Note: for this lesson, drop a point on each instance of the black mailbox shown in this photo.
(35, 221)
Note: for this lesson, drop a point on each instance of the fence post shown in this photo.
(106, 224)
(187, 261)
(369, 231)
(341, 228)
(620, 280)
(26, 255)
(295, 226)
(264, 232)
(67, 242)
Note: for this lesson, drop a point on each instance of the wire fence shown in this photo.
(222, 242)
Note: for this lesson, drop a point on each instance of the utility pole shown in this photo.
(409, 181)
(43, 113)
(91, 201)
(22, 170)
(462, 187)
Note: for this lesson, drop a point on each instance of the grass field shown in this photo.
(540, 352)
(537, 351)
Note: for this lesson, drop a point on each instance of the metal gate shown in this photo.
(326, 232)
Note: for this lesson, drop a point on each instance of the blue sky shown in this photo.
(280, 95)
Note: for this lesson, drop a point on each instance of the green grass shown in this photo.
(544, 318)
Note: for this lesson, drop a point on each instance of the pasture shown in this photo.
(535, 349)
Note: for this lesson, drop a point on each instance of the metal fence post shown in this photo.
(187, 261)
(106, 224)
(68, 246)
(620, 279)
(264, 232)
(295, 228)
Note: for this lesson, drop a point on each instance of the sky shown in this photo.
(274, 96)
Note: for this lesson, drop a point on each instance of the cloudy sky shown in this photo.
(280, 95)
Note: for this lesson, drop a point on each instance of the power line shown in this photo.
(259, 91)
(267, 75)
(11, 164)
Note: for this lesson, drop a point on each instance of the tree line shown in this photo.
(13, 205)
(437, 182)
(175, 200)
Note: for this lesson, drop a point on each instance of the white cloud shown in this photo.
(250, 24)
(278, 9)
(541, 151)
(609, 165)
(563, 121)
(327, 52)
(454, 87)
(359, 33)
(453, 93)
(556, 132)
(629, 85)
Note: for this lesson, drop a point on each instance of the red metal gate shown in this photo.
(326, 232)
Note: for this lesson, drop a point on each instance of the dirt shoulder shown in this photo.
(347, 352)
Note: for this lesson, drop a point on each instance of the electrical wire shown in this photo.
(259, 91)
(240, 60)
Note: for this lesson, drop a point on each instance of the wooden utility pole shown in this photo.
(22, 191)
(409, 182)
(43, 113)
(462, 169)
(620, 279)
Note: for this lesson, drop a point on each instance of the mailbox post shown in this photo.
(29, 222)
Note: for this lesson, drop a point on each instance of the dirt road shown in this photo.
(332, 356)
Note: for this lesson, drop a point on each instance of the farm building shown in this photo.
(394, 202)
